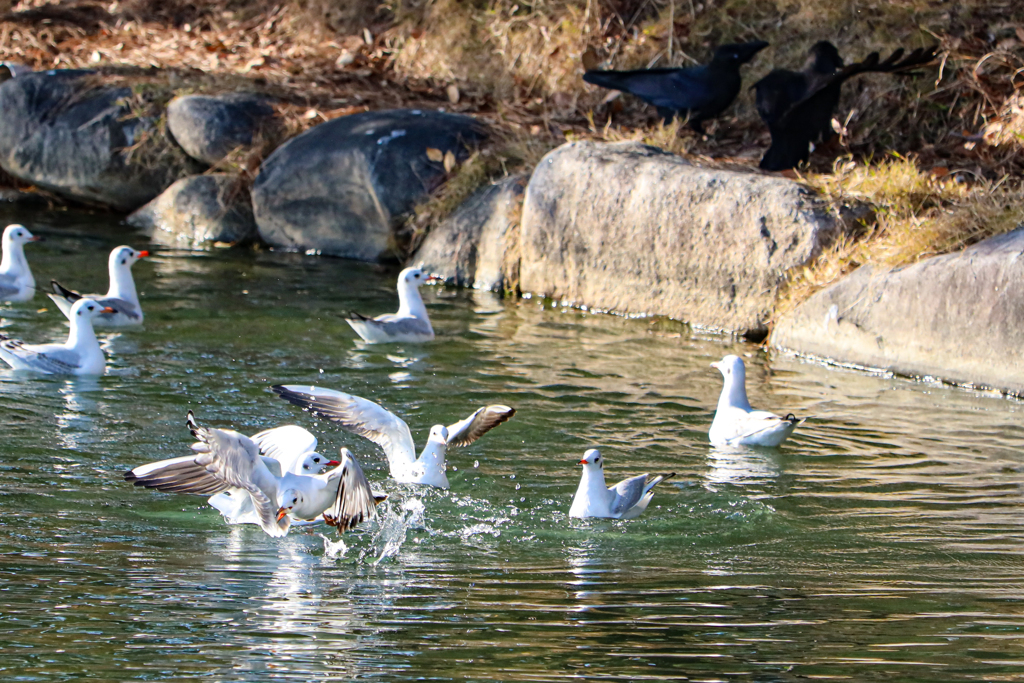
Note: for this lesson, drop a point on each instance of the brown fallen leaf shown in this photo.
(449, 162)
(940, 171)
(435, 154)
(590, 59)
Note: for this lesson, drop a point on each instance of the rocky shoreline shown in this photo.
(618, 227)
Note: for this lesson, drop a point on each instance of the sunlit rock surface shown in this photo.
(477, 246)
(629, 228)
(209, 127)
(957, 317)
(65, 132)
(343, 187)
(199, 211)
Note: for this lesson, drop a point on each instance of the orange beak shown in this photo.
(582, 462)
(108, 309)
(143, 254)
(281, 513)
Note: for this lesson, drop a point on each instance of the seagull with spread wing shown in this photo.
(369, 420)
(226, 459)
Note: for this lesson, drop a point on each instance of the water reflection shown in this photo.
(741, 466)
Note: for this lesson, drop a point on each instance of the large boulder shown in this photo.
(208, 127)
(66, 133)
(957, 317)
(198, 211)
(476, 245)
(629, 228)
(342, 187)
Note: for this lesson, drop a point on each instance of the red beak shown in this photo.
(35, 238)
(281, 513)
(108, 309)
(333, 463)
(582, 462)
(433, 280)
(143, 254)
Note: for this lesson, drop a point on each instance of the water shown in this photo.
(882, 543)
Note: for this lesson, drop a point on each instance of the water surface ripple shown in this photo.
(882, 543)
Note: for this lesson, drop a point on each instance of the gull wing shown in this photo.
(229, 460)
(52, 359)
(465, 432)
(628, 493)
(8, 287)
(287, 443)
(762, 422)
(355, 501)
(391, 324)
(357, 415)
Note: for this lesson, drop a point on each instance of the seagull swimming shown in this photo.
(367, 419)
(227, 459)
(121, 295)
(626, 500)
(410, 324)
(79, 355)
(293, 447)
(16, 281)
(736, 423)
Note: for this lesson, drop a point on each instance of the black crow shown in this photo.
(702, 91)
(798, 106)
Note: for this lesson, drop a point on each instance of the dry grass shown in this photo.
(517, 65)
(918, 215)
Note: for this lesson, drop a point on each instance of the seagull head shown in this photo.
(412, 276)
(18, 234)
(314, 463)
(439, 434)
(88, 309)
(288, 500)
(592, 458)
(731, 367)
(125, 257)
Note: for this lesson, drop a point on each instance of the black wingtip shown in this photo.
(130, 476)
(190, 421)
(353, 315)
(668, 476)
(791, 418)
(62, 291)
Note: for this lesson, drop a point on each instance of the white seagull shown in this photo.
(736, 423)
(227, 459)
(79, 355)
(121, 295)
(410, 324)
(16, 281)
(294, 448)
(367, 419)
(625, 500)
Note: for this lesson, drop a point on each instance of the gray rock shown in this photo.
(195, 212)
(62, 132)
(209, 127)
(629, 228)
(343, 186)
(476, 245)
(957, 317)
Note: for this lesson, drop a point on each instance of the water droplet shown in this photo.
(512, 476)
(518, 486)
(522, 500)
(476, 463)
(454, 468)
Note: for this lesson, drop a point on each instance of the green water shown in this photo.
(883, 542)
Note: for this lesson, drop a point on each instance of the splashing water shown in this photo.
(394, 528)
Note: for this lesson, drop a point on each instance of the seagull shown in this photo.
(16, 281)
(736, 423)
(79, 355)
(294, 448)
(121, 296)
(227, 459)
(390, 432)
(410, 324)
(626, 500)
